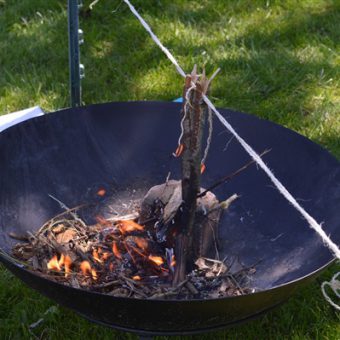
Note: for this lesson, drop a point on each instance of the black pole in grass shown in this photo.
(76, 70)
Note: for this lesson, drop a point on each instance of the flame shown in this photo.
(136, 278)
(179, 150)
(156, 259)
(203, 167)
(61, 260)
(85, 267)
(88, 270)
(95, 254)
(128, 226)
(53, 264)
(173, 261)
(115, 250)
(67, 264)
(142, 243)
(94, 274)
(101, 192)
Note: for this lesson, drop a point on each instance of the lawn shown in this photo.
(279, 60)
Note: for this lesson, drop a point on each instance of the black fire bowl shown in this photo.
(123, 146)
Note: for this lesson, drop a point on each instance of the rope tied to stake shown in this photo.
(279, 186)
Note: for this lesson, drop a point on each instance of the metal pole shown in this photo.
(75, 68)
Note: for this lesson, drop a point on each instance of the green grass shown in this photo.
(279, 60)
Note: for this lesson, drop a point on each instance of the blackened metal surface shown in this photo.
(127, 146)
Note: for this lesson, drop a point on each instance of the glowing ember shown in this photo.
(136, 278)
(116, 251)
(95, 254)
(101, 192)
(53, 264)
(156, 259)
(129, 226)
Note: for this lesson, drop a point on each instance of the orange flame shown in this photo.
(129, 226)
(61, 260)
(203, 167)
(179, 150)
(53, 264)
(173, 261)
(67, 264)
(94, 274)
(156, 259)
(116, 251)
(88, 270)
(141, 243)
(85, 267)
(136, 278)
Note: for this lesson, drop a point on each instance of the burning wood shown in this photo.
(120, 263)
(161, 249)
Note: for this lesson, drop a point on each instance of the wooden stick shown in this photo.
(193, 124)
(230, 176)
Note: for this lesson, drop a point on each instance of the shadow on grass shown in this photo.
(265, 76)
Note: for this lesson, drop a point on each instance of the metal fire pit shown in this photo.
(73, 152)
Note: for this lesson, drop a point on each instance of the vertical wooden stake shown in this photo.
(194, 110)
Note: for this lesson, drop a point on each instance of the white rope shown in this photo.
(334, 284)
(185, 112)
(281, 188)
(210, 132)
(155, 39)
